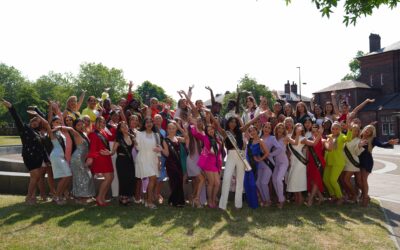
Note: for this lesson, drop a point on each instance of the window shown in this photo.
(387, 125)
(381, 79)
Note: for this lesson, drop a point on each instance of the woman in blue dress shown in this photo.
(59, 164)
(256, 153)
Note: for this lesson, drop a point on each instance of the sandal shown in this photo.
(30, 201)
(59, 201)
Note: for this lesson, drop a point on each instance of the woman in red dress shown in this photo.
(99, 158)
(315, 166)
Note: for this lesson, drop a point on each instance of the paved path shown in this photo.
(384, 185)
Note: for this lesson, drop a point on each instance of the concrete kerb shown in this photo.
(388, 226)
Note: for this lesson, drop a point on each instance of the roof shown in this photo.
(392, 47)
(348, 84)
(386, 102)
(292, 96)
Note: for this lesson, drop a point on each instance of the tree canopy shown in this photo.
(95, 78)
(248, 86)
(354, 66)
(354, 9)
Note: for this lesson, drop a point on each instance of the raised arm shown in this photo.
(388, 144)
(237, 107)
(217, 124)
(362, 105)
(312, 103)
(80, 101)
(334, 103)
(189, 93)
(129, 96)
(252, 121)
(212, 95)
(15, 116)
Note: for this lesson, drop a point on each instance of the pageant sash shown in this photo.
(298, 155)
(102, 139)
(350, 157)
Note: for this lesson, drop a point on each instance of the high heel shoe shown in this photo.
(101, 204)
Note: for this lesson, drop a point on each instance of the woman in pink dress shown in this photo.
(210, 161)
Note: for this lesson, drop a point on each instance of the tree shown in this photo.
(11, 84)
(247, 86)
(354, 66)
(28, 96)
(354, 9)
(147, 90)
(55, 86)
(11, 80)
(95, 78)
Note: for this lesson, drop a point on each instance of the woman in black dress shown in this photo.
(124, 164)
(368, 135)
(33, 151)
(171, 150)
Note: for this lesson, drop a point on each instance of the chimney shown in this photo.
(293, 88)
(287, 87)
(374, 42)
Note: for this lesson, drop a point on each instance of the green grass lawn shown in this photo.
(47, 226)
(10, 140)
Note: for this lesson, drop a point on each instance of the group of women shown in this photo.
(271, 156)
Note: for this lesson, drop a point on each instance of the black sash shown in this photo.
(60, 140)
(269, 164)
(73, 141)
(172, 150)
(350, 157)
(315, 157)
(103, 139)
(84, 137)
(298, 155)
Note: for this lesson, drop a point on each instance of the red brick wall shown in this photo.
(385, 64)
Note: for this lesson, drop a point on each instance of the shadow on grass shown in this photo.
(237, 222)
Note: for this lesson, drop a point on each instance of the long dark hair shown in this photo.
(120, 135)
(236, 131)
(297, 109)
(213, 139)
(143, 127)
(78, 120)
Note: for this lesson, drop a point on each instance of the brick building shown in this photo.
(379, 79)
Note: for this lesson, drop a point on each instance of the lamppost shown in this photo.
(300, 83)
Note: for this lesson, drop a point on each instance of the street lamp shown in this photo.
(300, 81)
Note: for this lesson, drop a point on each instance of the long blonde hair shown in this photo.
(370, 138)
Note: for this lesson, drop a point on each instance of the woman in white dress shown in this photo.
(297, 175)
(354, 148)
(147, 161)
